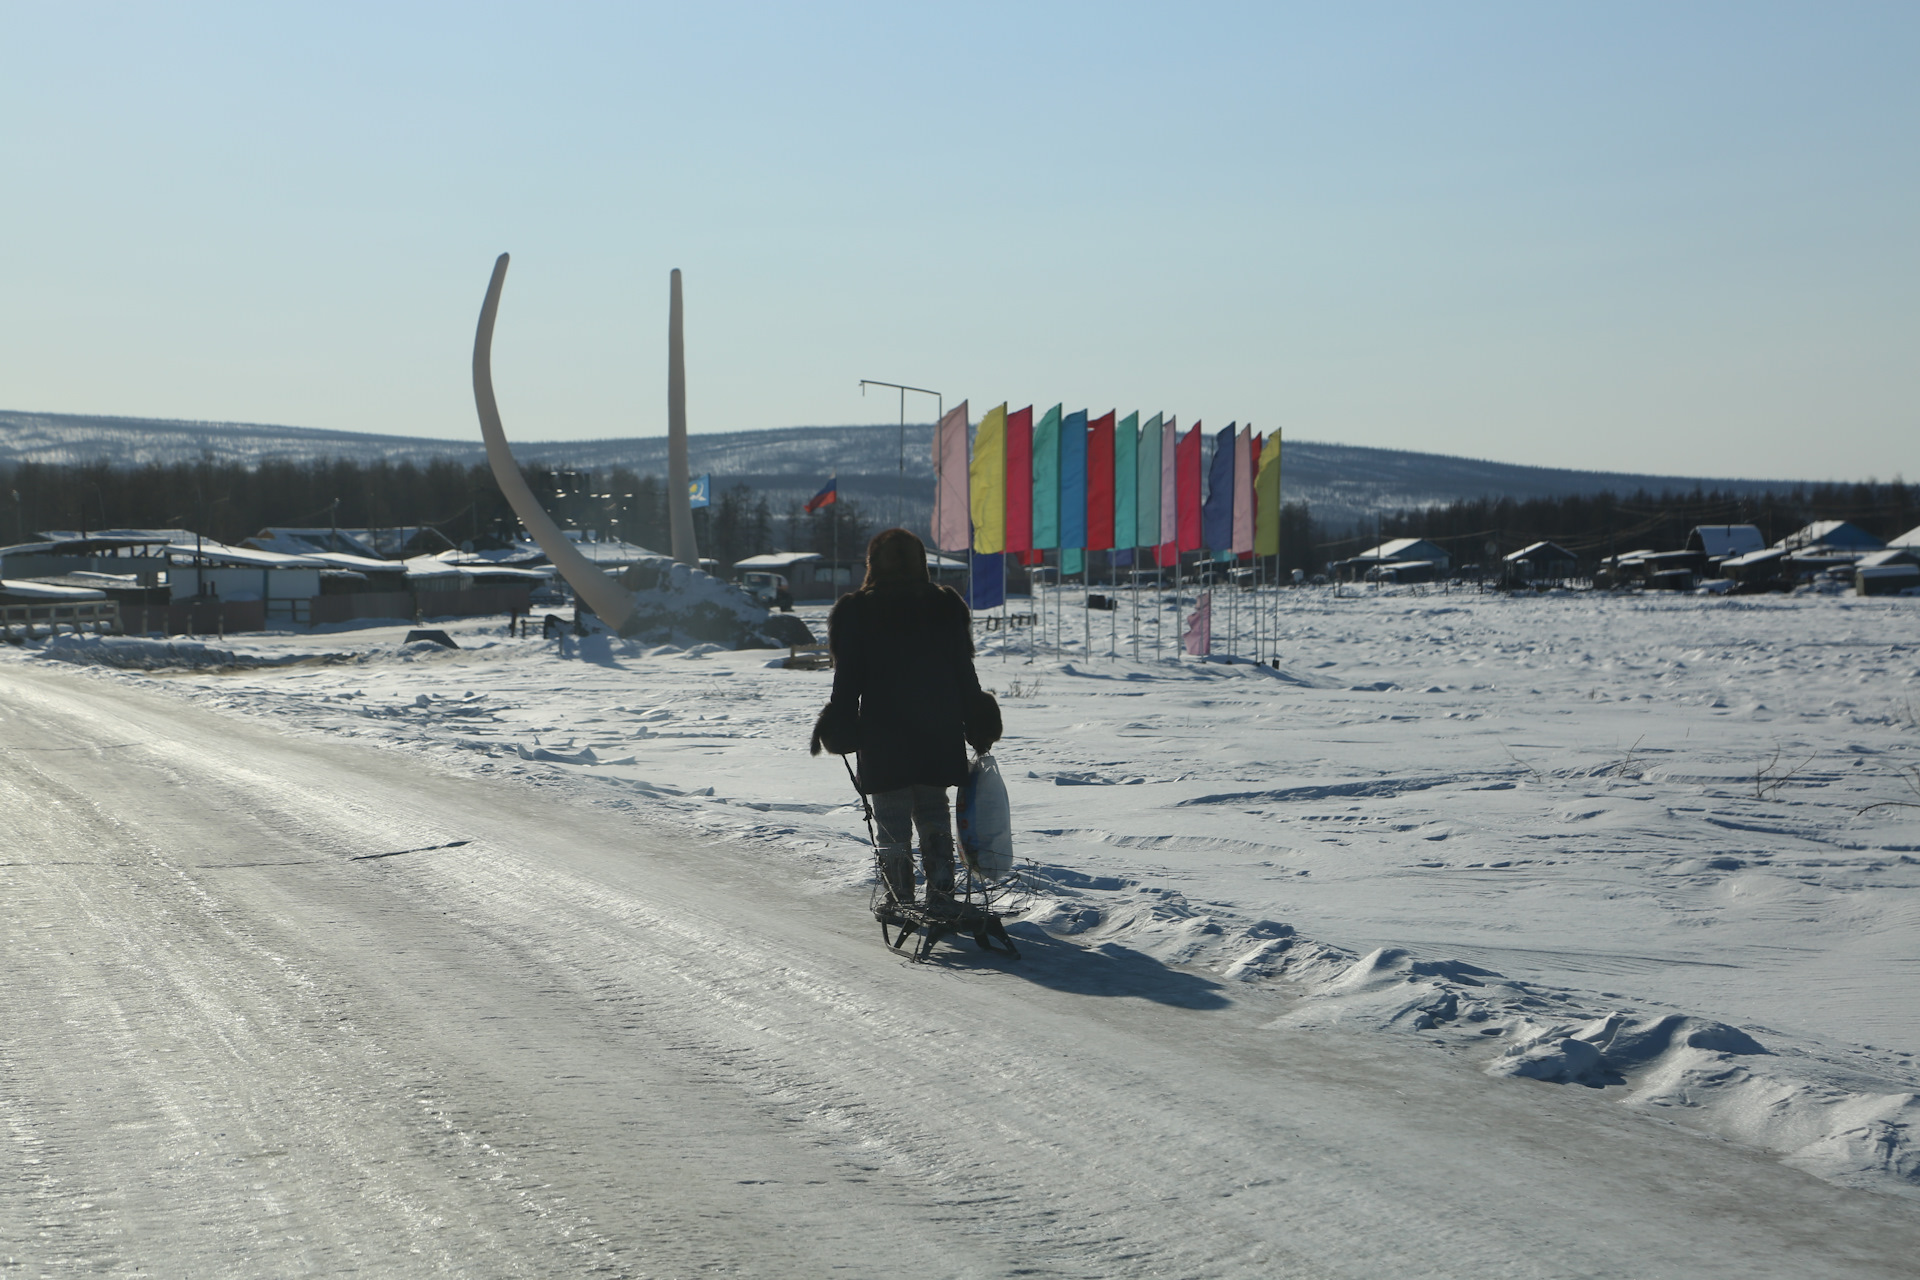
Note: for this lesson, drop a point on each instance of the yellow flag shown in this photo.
(987, 479)
(1266, 499)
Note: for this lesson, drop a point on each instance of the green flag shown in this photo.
(1046, 481)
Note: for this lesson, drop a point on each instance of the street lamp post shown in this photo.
(939, 413)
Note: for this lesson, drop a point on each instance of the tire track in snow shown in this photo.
(591, 1038)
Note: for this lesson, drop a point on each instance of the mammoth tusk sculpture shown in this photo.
(679, 507)
(605, 596)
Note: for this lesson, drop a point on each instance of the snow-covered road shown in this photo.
(279, 1004)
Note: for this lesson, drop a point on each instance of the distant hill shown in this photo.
(1343, 483)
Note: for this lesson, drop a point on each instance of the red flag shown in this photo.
(1186, 489)
(1100, 482)
(1020, 480)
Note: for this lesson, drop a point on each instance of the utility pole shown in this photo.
(899, 499)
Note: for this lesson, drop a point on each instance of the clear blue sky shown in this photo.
(1666, 236)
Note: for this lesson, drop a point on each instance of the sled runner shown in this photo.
(978, 906)
(972, 911)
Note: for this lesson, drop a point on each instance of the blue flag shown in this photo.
(700, 490)
(1216, 513)
(987, 585)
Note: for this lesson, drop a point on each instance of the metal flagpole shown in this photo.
(1233, 565)
(1179, 641)
(1133, 599)
(969, 555)
(1086, 613)
(1159, 601)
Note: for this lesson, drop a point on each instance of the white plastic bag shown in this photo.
(986, 821)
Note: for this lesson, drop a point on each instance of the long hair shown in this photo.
(895, 557)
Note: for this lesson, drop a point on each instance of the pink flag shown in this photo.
(1169, 513)
(1200, 627)
(952, 526)
(1243, 491)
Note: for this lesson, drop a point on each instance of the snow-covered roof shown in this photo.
(24, 589)
(1404, 549)
(304, 542)
(358, 564)
(1911, 538)
(778, 560)
(429, 567)
(520, 553)
(1838, 534)
(505, 573)
(1541, 551)
(612, 551)
(90, 581)
(393, 542)
(1722, 540)
(216, 553)
(1756, 557)
(129, 536)
(1891, 556)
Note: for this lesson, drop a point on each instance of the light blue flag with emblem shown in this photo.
(699, 489)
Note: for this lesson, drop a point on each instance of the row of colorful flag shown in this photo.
(1072, 483)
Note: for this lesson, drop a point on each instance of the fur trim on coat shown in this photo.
(835, 731)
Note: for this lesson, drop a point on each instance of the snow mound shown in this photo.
(142, 653)
(1816, 1113)
(678, 604)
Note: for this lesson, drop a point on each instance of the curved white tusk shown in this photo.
(613, 602)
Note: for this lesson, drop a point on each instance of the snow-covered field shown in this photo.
(1624, 850)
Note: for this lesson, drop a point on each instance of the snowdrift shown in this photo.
(1637, 849)
(143, 653)
(681, 605)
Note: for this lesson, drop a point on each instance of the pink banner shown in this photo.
(1200, 627)
(952, 527)
(1243, 491)
(1169, 512)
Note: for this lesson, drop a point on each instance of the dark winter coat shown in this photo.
(905, 695)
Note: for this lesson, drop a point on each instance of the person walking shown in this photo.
(907, 703)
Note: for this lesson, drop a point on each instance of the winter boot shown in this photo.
(937, 859)
(897, 870)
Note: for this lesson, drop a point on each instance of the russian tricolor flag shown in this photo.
(827, 496)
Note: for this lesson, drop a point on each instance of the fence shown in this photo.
(413, 605)
(99, 614)
(195, 616)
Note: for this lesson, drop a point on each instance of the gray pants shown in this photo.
(897, 814)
